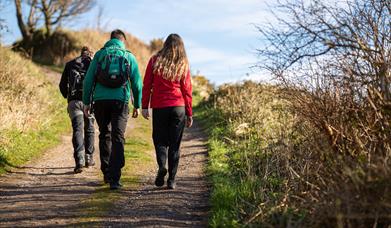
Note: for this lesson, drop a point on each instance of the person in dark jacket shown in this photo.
(71, 87)
(167, 90)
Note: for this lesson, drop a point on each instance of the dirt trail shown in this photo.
(45, 192)
(186, 206)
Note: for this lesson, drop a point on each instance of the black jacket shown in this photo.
(73, 68)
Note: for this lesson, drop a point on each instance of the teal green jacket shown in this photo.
(104, 93)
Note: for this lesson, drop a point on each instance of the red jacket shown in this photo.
(161, 93)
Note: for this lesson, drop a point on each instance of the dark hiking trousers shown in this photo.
(111, 116)
(168, 125)
(83, 145)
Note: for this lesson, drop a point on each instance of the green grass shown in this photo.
(20, 147)
(32, 114)
(224, 188)
(234, 195)
(247, 171)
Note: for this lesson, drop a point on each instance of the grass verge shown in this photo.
(32, 111)
(224, 189)
(247, 156)
(25, 146)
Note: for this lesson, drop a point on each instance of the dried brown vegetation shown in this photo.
(24, 95)
(63, 45)
(201, 87)
(334, 61)
(314, 150)
(32, 114)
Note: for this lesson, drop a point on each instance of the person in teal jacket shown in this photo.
(111, 108)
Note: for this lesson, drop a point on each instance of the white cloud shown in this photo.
(229, 16)
(218, 65)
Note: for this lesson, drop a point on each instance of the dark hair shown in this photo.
(117, 34)
(86, 51)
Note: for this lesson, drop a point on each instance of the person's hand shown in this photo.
(135, 112)
(87, 110)
(145, 113)
(189, 121)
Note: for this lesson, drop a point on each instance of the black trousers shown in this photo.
(168, 125)
(83, 144)
(112, 117)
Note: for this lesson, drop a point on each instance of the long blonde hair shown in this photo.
(171, 61)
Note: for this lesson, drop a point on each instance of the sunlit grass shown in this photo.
(241, 129)
(32, 112)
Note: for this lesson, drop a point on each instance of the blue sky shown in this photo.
(219, 35)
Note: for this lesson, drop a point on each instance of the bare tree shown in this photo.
(57, 11)
(99, 16)
(51, 12)
(27, 27)
(3, 25)
(335, 57)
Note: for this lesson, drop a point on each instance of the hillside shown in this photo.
(39, 166)
(30, 116)
(31, 111)
(95, 40)
(64, 45)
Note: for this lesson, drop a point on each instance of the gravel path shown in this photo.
(186, 206)
(46, 192)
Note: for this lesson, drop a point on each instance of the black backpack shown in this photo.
(76, 77)
(113, 69)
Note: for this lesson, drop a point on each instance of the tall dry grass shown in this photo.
(32, 112)
(271, 167)
(24, 94)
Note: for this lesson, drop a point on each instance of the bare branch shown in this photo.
(341, 56)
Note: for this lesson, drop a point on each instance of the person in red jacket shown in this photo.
(168, 91)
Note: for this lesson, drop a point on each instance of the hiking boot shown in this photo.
(106, 179)
(78, 169)
(90, 162)
(171, 184)
(159, 181)
(115, 185)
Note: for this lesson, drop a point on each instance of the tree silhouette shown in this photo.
(52, 12)
(335, 57)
